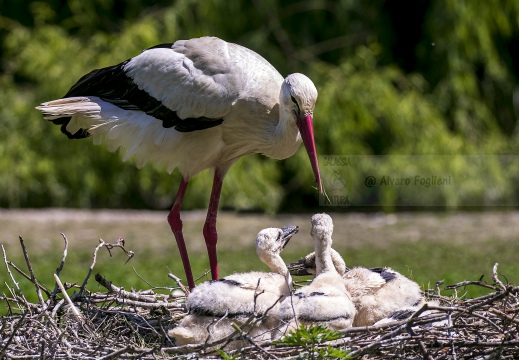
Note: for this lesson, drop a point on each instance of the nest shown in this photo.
(127, 325)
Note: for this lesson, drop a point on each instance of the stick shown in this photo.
(179, 282)
(12, 278)
(21, 272)
(67, 298)
(465, 283)
(140, 277)
(115, 354)
(17, 326)
(126, 294)
(253, 343)
(119, 244)
(94, 259)
(58, 270)
(31, 272)
(496, 278)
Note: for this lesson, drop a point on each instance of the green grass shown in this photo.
(424, 262)
(423, 259)
(427, 263)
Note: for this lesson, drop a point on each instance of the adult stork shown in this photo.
(193, 105)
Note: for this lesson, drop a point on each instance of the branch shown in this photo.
(13, 280)
(58, 270)
(496, 277)
(31, 272)
(179, 282)
(75, 311)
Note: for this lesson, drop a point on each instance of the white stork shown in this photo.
(194, 104)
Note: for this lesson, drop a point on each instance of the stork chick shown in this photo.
(376, 292)
(214, 305)
(325, 300)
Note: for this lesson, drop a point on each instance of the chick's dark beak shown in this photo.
(288, 232)
(299, 268)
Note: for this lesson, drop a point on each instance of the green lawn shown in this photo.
(426, 247)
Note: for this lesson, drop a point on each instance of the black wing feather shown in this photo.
(384, 273)
(113, 85)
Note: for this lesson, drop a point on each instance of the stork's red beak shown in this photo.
(306, 128)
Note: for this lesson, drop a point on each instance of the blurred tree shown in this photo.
(441, 81)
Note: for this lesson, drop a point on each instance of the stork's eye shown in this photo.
(295, 102)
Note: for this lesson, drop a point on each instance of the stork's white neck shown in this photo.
(323, 258)
(278, 266)
(285, 138)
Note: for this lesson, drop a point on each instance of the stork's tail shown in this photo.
(76, 115)
(137, 134)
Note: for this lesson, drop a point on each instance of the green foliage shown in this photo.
(309, 337)
(225, 356)
(442, 83)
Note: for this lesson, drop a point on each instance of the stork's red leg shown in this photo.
(210, 234)
(176, 226)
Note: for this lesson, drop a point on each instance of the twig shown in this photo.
(42, 351)
(119, 244)
(4, 297)
(91, 268)
(135, 299)
(465, 283)
(253, 343)
(21, 272)
(75, 311)
(116, 354)
(13, 333)
(58, 306)
(140, 277)
(60, 267)
(179, 282)
(137, 329)
(7, 267)
(496, 277)
(121, 292)
(147, 305)
(508, 317)
(424, 350)
(490, 298)
(31, 272)
(13, 280)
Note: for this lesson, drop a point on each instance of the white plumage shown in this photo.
(382, 293)
(214, 305)
(377, 293)
(325, 300)
(192, 105)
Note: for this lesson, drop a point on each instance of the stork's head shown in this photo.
(322, 227)
(271, 242)
(299, 95)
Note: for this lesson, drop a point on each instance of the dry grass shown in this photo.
(150, 229)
